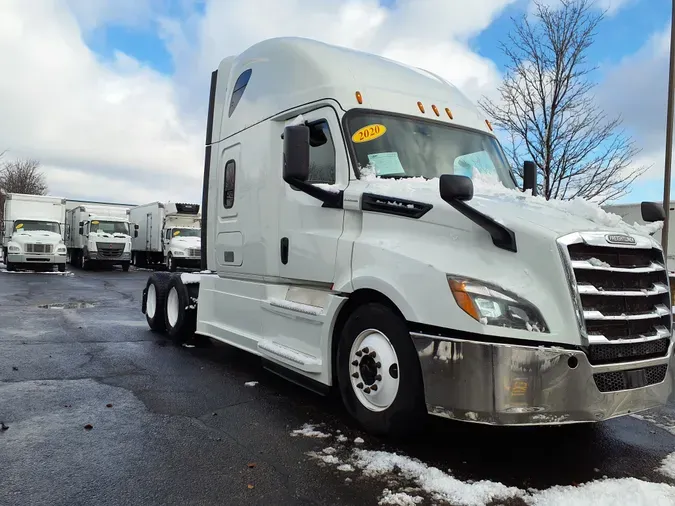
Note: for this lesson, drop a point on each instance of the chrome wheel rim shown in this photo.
(151, 303)
(172, 307)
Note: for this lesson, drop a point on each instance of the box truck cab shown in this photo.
(32, 231)
(169, 234)
(363, 231)
(100, 235)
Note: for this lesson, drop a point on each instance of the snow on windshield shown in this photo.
(487, 185)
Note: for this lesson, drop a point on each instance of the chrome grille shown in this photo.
(109, 249)
(38, 248)
(192, 252)
(623, 297)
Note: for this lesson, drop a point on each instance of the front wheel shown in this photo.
(171, 263)
(62, 267)
(125, 266)
(379, 373)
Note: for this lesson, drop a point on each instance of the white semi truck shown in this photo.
(362, 230)
(99, 235)
(169, 234)
(32, 232)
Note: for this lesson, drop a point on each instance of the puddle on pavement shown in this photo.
(67, 305)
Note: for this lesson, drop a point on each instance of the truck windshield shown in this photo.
(109, 227)
(186, 232)
(396, 146)
(36, 226)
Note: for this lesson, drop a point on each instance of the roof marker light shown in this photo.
(449, 112)
(435, 110)
(419, 104)
(489, 125)
(359, 98)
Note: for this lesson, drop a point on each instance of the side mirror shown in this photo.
(135, 227)
(81, 230)
(454, 187)
(530, 177)
(136, 233)
(296, 153)
(81, 224)
(651, 212)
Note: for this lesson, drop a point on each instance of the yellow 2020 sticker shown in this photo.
(20, 225)
(95, 222)
(176, 233)
(369, 133)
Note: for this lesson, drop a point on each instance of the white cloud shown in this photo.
(116, 129)
(610, 6)
(636, 88)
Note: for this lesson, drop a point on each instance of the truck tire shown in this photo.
(375, 350)
(10, 266)
(125, 266)
(62, 267)
(181, 309)
(154, 300)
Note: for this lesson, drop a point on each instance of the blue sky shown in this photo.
(146, 63)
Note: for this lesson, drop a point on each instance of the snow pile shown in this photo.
(440, 485)
(309, 430)
(609, 492)
(668, 466)
(250, 383)
(400, 498)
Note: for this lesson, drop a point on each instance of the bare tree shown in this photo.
(548, 112)
(21, 176)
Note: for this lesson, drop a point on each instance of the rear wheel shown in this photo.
(155, 293)
(379, 374)
(181, 309)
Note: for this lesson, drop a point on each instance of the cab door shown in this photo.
(308, 232)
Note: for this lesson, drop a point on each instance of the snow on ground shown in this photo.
(668, 466)
(309, 430)
(443, 488)
(250, 383)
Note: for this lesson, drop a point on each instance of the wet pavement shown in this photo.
(99, 410)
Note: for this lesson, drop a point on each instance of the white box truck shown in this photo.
(169, 234)
(363, 231)
(99, 235)
(32, 232)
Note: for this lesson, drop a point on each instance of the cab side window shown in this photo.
(321, 153)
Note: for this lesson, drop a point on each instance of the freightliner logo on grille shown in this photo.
(620, 239)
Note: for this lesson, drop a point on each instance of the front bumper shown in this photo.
(99, 256)
(36, 258)
(191, 262)
(501, 384)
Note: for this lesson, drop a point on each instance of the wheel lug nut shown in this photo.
(366, 390)
(358, 353)
(355, 363)
(372, 354)
(373, 388)
(355, 375)
(378, 364)
(360, 385)
(365, 350)
(378, 378)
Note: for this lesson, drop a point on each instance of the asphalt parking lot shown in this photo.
(96, 409)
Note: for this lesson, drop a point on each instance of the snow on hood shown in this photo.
(491, 197)
(39, 235)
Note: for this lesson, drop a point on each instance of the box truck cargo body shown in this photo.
(32, 231)
(169, 234)
(99, 235)
(364, 232)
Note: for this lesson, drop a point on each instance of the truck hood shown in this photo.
(185, 242)
(109, 237)
(38, 236)
(512, 208)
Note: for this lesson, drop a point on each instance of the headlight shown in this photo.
(493, 306)
(178, 253)
(14, 249)
(61, 249)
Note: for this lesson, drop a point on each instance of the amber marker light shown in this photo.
(449, 113)
(359, 97)
(419, 104)
(435, 110)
